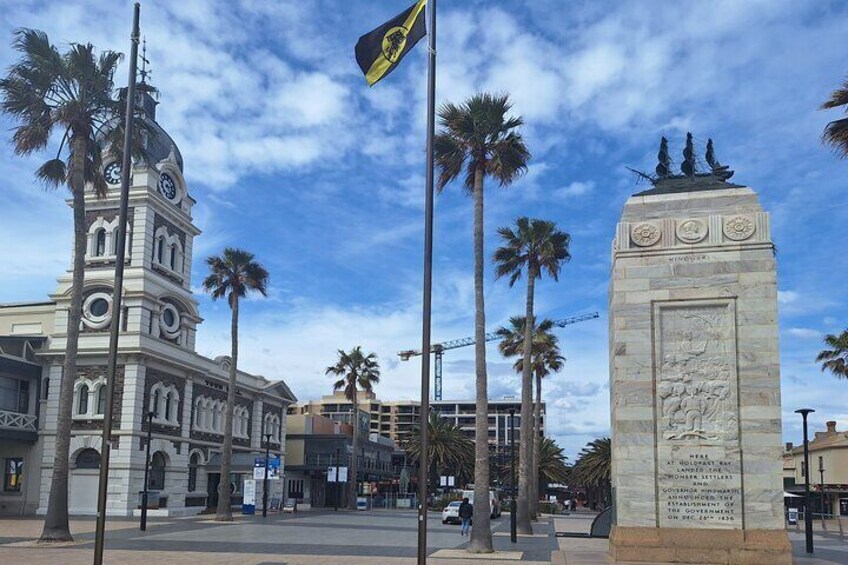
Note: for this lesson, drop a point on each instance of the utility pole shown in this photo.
(117, 295)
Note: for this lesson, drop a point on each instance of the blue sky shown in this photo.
(291, 155)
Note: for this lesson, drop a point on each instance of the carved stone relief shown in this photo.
(696, 385)
(691, 231)
(645, 234)
(739, 228)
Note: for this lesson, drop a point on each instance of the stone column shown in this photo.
(695, 379)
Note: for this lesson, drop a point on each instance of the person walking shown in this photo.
(466, 511)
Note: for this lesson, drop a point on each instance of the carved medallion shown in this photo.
(645, 234)
(691, 231)
(738, 228)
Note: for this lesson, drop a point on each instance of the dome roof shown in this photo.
(158, 145)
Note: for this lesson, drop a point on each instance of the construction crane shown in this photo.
(438, 349)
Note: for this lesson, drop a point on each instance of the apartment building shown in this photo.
(395, 419)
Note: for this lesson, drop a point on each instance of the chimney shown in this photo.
(831, 427)
(788, 446)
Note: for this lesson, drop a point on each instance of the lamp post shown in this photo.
(513, 532)
(143, 525)
(808, 516)
(821, 489)
(265, 480)
(336, 497)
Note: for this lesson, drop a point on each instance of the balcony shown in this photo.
(17, 425)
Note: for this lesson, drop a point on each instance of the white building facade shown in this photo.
(158, 368)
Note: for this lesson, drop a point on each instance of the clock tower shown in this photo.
(158, 303)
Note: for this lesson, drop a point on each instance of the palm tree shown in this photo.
(71, 94)
(478, 136)
(357, 371)
(592, 469)
(546, 359)
(533, 247)
(233, 275)
(449, 449)
(836, 132)
(835, 359)
(552, 467)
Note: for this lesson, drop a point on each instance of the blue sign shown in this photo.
(273, 468)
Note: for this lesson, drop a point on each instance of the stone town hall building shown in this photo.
(158, 368)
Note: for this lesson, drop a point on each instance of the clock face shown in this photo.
(112, 173)
(168, 186)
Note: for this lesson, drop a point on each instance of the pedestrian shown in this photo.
(466, 511)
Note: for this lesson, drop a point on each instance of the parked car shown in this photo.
(450, 515)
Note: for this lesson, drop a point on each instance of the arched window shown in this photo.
(88, 459)
(100, 242)
(173, 258)
(101, 399)
(174, 402)
(216, 418)
(167, 412)
(155, 407)
(160, 250)
(157, 472)
(116, 234)
(193, 462)
(82, 401)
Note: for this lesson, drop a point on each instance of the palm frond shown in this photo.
(52, 173)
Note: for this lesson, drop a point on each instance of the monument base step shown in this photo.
(698, 545)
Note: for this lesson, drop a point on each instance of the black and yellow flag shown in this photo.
(380, 51)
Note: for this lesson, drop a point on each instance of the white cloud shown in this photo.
(787, 297)
(804, 333)
(576, 188)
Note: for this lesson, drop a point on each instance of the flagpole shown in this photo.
(117, 288)
(424, 459)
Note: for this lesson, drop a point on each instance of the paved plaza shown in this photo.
(319, 538)
(307, 537)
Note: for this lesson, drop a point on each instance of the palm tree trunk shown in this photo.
(481, 533)
(522, 515)
(537, 446)
(354, 466)
(56, 527)
(224, 512)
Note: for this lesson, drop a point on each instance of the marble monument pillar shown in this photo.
(695, 374)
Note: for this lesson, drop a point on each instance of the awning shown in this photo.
(790, 495)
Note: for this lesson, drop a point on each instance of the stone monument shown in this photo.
(695, 375)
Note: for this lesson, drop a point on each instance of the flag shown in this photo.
(379, 52)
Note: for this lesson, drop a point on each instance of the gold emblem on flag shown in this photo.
(393, 43)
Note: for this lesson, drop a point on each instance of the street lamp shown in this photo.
(513, 532)
(143, 525)
(808, 516)
(336, 497)
(265, 480)
(821, 484)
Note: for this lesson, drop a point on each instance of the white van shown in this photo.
(494, 503)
